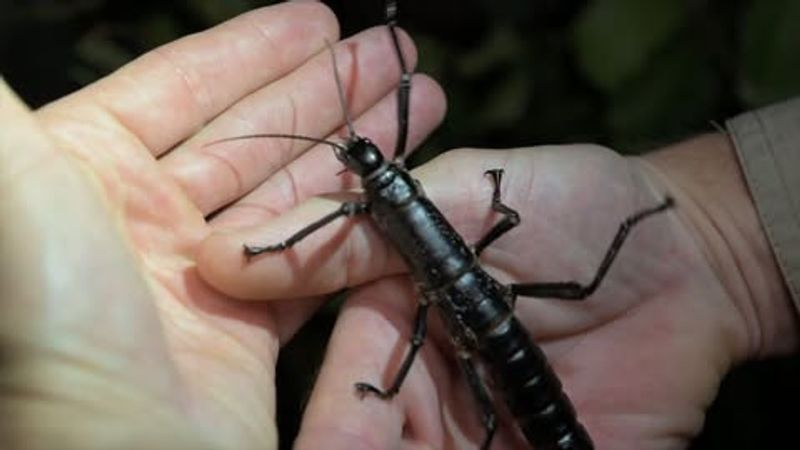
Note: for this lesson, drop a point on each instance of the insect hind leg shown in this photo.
(572, 290)
(481, 395)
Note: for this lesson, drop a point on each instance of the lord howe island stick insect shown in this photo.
(476, 308)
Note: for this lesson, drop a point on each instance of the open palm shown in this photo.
(107, 209)
(641, 358)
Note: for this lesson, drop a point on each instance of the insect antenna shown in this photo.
(340, 90)
(337, 147)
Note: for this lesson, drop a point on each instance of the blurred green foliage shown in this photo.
(626, 73)
(614, 39)
(770, 65)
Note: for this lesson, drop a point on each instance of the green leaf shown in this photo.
(613, 39)
(771, 52)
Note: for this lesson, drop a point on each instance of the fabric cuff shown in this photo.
(767, 144)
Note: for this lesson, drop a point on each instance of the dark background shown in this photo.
(630, 74)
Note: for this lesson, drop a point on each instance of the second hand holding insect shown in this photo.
(662, 306)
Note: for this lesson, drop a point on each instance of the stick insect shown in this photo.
(476, 308)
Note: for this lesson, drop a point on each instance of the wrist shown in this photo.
(712, 197)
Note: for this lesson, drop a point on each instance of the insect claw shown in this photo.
(363, 389)
(494, 172)
(250, 251)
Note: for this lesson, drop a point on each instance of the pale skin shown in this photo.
(155, 355)
(108, 336)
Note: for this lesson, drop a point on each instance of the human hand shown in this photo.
(108, 337)
(641, 358)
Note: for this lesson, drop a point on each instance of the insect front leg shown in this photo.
(347, 209)
(510, 217)
(404, 90)
(417, 339)
(482, 398)
(572, 290)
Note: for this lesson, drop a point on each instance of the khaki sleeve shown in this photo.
(768, 147)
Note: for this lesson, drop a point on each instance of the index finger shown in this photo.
(169, 93)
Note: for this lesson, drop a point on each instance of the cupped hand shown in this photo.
(109, 337)
(641, 358)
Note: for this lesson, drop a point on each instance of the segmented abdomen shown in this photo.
(531, 388)
(477, 311)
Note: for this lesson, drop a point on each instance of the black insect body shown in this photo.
(476, 308)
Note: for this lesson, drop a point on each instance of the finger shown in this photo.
(167, 94)
(368, 343)
(304, 103)
(348, 251)
(317, 171)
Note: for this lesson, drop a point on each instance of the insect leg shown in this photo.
(417, 338)
(404, 90)
(481, 394)
(510, 217)
(572, 290)
(347, 209)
